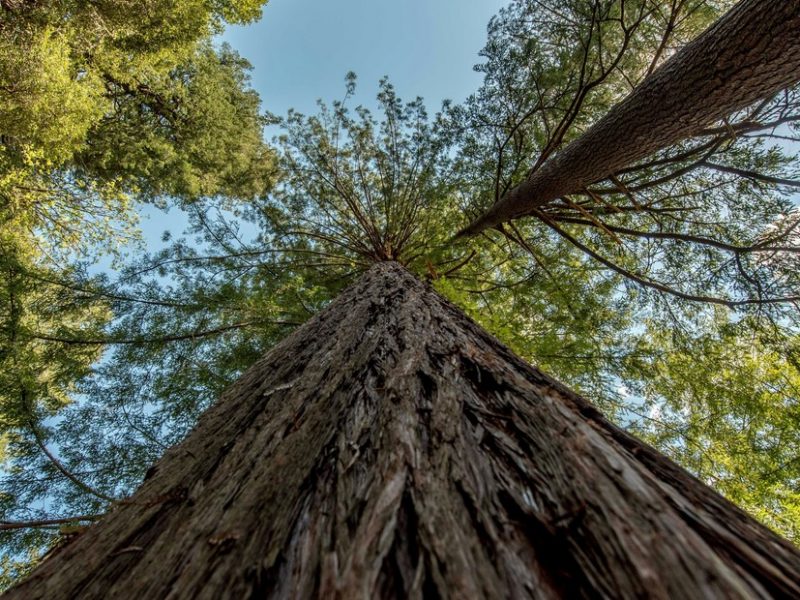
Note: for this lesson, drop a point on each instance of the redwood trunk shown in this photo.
(390, 448)
(751, 53)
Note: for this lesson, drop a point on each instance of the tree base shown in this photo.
(391, 448)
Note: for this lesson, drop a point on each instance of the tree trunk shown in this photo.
(751, 53)
(390, 448)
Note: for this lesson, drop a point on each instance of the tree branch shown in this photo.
(161, 340)
(45, 523)
(656, 285)
(60, 466)
(682, 237)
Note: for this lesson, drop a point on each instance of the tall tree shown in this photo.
(356, 189)
(391, 448)
(747, 56)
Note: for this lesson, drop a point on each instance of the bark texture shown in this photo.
(751, 53)
(390, 448)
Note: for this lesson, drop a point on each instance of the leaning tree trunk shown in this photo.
(390, 448)
(751, 53)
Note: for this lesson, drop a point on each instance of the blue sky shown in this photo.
(302, 49)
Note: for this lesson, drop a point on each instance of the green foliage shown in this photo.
(106, 102)
(724, 404)
(366, 190)
(648, 256)
(44, 106)
(188, 132)
(38, 380)
(37, 377)
(658, 293)
(103, 105)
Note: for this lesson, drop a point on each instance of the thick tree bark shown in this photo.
(391, 448)
(751, 53)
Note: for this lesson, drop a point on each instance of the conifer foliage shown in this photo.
(664, 290)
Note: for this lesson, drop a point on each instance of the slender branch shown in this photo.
(682, 237)
(62, 469)
(459, 265)
(752, 175)
(161, 340)
(748, 126)
(656, 285)
(44, 523)
(110, 295)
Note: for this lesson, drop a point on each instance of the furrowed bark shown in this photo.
(390, 448)
(751, 53)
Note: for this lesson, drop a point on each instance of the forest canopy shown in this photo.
(665, 293)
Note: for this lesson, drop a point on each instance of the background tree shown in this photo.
(112, 100)
(746, 57)
(723, 198)
(103, 106)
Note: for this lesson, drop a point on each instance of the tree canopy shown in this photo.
(667, 293)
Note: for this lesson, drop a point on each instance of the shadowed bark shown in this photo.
(390, 448)
(751, 53)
